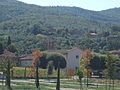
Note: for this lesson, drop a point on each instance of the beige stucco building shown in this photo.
(72, 57)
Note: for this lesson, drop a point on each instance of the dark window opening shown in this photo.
(77, 56)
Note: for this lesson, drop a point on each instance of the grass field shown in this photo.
(65, 85)
(50, 83)
(20, 72)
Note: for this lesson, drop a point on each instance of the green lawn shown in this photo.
(20, 72)
(72, 84)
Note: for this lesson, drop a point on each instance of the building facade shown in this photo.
(72, 57)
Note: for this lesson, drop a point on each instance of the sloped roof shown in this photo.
(26, 57)
(115, 51)
(63, 51)
(7, 53)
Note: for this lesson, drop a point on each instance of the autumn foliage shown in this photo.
(36, 54)
(70, 72)
(85, 61)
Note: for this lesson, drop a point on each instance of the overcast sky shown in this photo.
(96, 5)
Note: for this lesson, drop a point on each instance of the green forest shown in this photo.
(31, 26)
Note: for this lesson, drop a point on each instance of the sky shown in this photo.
(96, 5)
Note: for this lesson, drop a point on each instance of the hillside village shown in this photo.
(69, 60)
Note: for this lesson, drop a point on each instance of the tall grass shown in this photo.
(20, 72)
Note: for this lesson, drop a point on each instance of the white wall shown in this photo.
(73, 59)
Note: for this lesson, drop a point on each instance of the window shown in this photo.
(77, 56)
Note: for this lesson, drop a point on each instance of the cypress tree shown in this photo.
(58, 77)
(1, 48)
(9, 41)
(37, 77)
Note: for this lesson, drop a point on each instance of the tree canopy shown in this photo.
(68, 26)
(55, 57)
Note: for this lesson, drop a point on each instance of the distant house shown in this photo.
(20, 60)
(25, 60)
(116, 52)
(7, 53)
(72, 57)
(94, 35)
(13, 56)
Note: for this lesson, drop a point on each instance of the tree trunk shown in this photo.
(84, 82)
(58, 77)
(8, 75)
(106, 83)
(25, 73)
(97, 83)
(12, 73)
(81, 84)
(37, 77)
(87, 77)
(113, 84)
(109, 84)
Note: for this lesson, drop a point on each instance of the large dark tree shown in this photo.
(59, 62)
(97, 63)
(55, 57)
(43, 61)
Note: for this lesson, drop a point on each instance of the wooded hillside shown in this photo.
(30, 26)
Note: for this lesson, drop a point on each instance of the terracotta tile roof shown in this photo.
(63, 51)
(26, 57)
(9, 54)
(93, 34)
(115, 51)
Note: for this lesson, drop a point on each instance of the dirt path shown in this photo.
(68, 89)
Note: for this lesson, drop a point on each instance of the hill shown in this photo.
(113, 13)
(30, 26)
